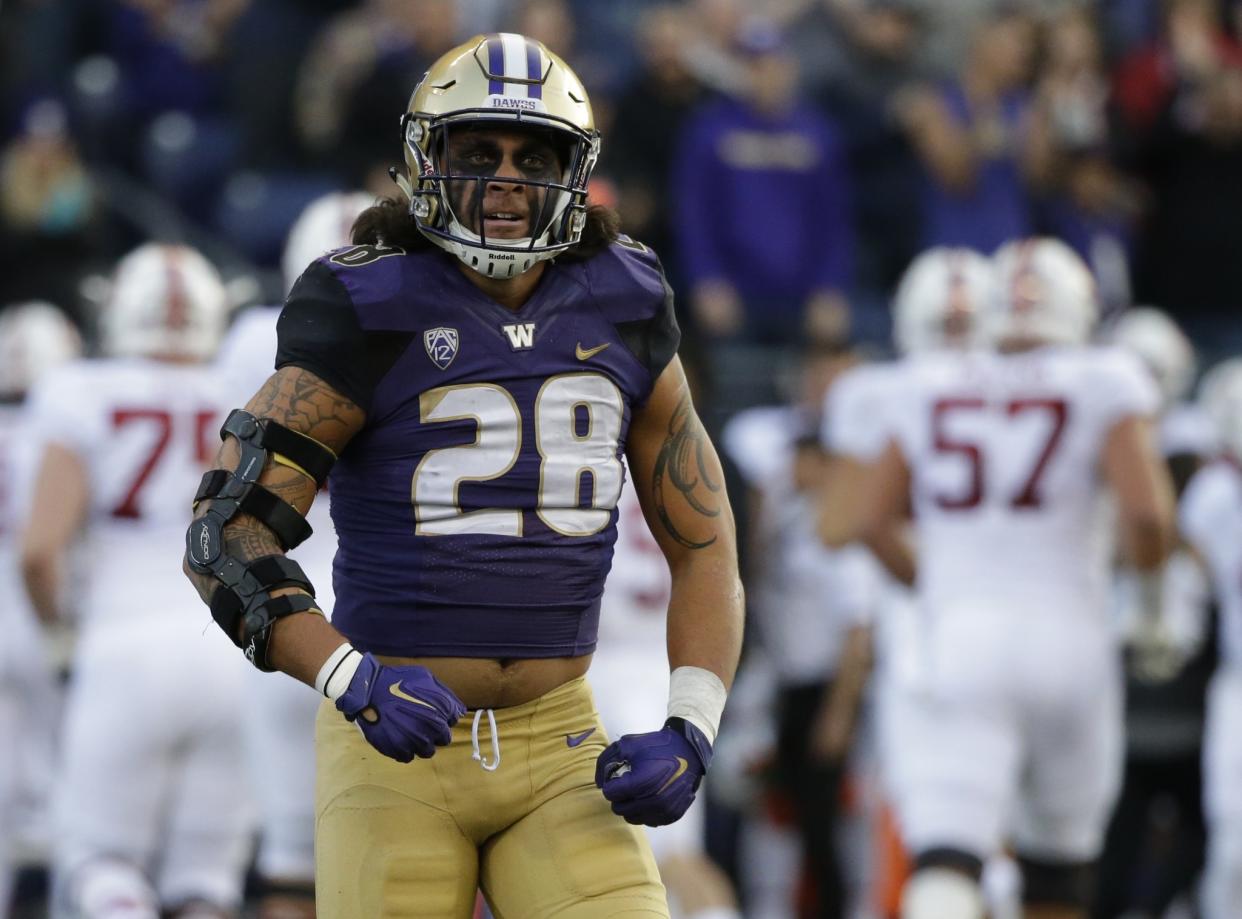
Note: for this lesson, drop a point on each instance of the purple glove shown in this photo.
(651, 778)
(415, 709)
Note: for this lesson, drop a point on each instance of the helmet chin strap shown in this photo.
(491, 261)
(469, 237)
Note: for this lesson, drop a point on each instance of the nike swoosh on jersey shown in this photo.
(585, 353)
(396, 690)
(682, 766)
(572, 740)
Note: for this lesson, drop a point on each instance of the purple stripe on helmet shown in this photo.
(534, 70)
(495, 65)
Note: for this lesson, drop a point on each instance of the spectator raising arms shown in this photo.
(981, 147)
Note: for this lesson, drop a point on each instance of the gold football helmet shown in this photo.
(505, 81)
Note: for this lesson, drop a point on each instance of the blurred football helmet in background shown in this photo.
(1161, 345)
(324, 224)
(34, 338)
(508, 80)
(1042, 293)
(939, 299)
(1220, 396)
(166, 301)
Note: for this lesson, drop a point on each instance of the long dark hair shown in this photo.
(389, 222)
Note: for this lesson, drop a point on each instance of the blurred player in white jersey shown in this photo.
(1169, 658)
(1163, 634)
(1006, 460)
(629, 679)
(280, 720)
(1185, 432)
(1211, 520)
(812, 608)
(936, 308)
(34, 338)
(149, 816)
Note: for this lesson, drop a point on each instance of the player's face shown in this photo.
(507, 209)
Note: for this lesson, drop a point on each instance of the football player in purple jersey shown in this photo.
(472, 379)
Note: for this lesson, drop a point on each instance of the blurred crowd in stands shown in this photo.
(786, 168)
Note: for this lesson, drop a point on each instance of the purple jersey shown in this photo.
(476, 509)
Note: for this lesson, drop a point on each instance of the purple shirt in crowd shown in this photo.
(762, 202)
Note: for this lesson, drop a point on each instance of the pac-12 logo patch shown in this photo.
(441, 345)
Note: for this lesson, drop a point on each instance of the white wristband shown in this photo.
(698, 696)
(337, 671)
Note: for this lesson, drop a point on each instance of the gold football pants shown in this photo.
(536, 835)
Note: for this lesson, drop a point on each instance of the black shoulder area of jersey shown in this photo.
(628, 285)
(319, 330)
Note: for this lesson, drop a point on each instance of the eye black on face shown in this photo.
(472, 154)
(484, 151)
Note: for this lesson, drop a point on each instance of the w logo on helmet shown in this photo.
(441, 345)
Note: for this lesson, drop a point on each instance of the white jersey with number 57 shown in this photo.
(143, 432)
(1004, 455)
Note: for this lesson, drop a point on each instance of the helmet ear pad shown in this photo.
(421, 192)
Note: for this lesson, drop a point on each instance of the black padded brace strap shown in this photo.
(211, 483)
(289, 526)
(306, 452)
(231, 494)
(260, 620)
(250, 586)
(243, 605)
(278, 571)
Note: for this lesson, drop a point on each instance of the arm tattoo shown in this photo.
(300, 400)
(681, 473)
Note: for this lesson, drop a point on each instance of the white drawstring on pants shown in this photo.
(474, 740)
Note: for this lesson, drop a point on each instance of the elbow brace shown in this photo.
(243, 605)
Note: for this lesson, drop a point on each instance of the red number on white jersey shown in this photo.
(1028, 496)
(162, 422)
